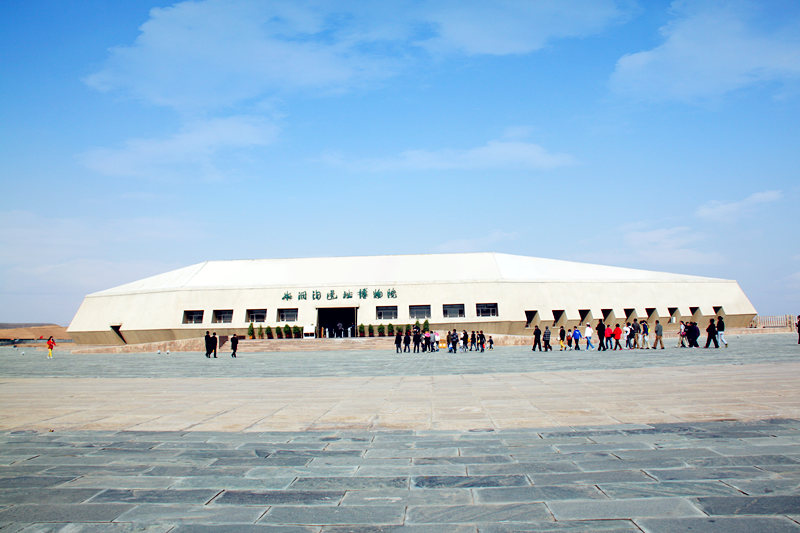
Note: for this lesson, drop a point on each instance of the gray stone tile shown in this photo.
(279, 497)
(719, 525)
(605, 526)
(242, 528)
(469, 481)
(733, 472)
(369, 515)
(301, 471)
(766, 487)
(183, 513)
(749, 505)
(470, 514)
(408, 497)
(187, 471)
(33, 481)
(198, 496)
(592, 478)
(94, 528)
(475, 460)
(104, 470)
(41, 495)
(744, 460)
(418, 470)
(537, 493)
(233, 483)
(81, 512)
(120, 482)
(347, 483)
(523, 468)
(637, 464)
(667, 488)
(390, 529)
(632, 508)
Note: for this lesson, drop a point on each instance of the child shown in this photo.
(50, 345)
(491, 343)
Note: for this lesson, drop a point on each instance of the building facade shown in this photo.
(493, 292)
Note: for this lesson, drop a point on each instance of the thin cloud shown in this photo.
(494, 155)
(198, 150)
(719, 210)
(658, 247)
(217, 53)
(709, 49)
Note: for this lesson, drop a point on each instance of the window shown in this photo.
(486, 309)
(192, 317)
(453, 310)
(256, 315)
(386, 312)
(222, 316)
(419, 311)
(287, 315)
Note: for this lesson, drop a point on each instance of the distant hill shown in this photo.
(9, 325)
(26, 331)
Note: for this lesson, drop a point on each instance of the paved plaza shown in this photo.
(508, 440)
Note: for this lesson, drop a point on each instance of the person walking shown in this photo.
(546, 339)
(627, 331)
(491, 343)
(537, 339)
(417, 339)
(682, 335)
(234, 345)
(576, 338)
(587, 333)
(454, 341)
(407, 342)
(481, 341)
(562, 337)
(617, 337)
(797, 327)
(208, 344)
(721, 332)
(601, 336)
(51, 343)
(473, 342)
(214, 343)
(398, 342)
(609, 337)
(645, 336)
(659, 335)
(711, 330)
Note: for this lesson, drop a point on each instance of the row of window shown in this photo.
(382, 312)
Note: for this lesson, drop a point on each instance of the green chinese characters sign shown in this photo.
(333, 294)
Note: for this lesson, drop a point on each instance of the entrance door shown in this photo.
(336, 321)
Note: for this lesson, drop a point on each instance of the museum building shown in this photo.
(330, 296)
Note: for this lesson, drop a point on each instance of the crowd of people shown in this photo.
(428, 341)
(636, 336)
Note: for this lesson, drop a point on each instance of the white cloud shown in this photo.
(494, 155)
(515, 26)
(727, 210)
(659, 247)
(709, 49)
(476, 244)
(217, 53)
(197, 150)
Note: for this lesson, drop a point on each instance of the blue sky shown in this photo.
(138, 137)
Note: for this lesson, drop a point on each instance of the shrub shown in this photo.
(260, 332)
(361, 330)
(251, 331)
(390, 329)
(287, 331)
(371, 330)
(278, 332)
(297, 331)
(268, 332)
(381, 330)
(416, 324)
(426, 326)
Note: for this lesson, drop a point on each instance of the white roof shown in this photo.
(387, 269)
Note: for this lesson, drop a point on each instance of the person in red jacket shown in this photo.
(50, 345)
(617, 337)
